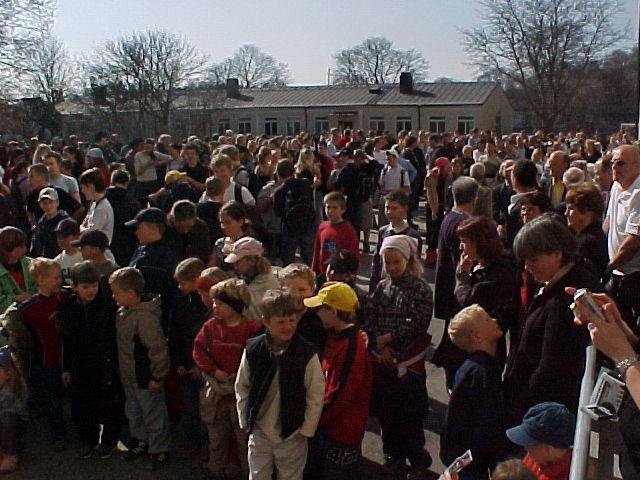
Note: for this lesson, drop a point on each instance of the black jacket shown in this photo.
(291, 365)
(187, 316)
(549, 361)
(44, 242)
(125, 207)
(592, 245)
(195, 243)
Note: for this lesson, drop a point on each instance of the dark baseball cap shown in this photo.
(66, 227)
(149, 215)
(92, 238)
(346, 151)
(343, 261)
(547, 423)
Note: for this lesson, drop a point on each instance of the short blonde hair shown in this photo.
(215, 274)
(234, 288)
(298, 270)
(278, 302)
(41, 266)
(222, 160)
(462, 324)
(128, 278)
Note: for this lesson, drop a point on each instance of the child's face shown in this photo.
(49, 207)
(230, 226)
(329, 317)
(17, 253)
(86, 291)
(223, 311)
(394, 211)
(223, 173)
(185, 285)
(50, 281)
(300, 289)
(243, 265)
(146, 232)
(124, 298)
(88, 191)
(281, 328)
(487, 328)
(64, 242)
(88, 252)
(394, 263)
(334, 211)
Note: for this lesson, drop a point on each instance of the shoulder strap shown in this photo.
(237, 193)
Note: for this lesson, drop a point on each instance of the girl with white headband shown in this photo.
(398, 316)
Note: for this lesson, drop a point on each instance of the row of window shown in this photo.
(377, 124)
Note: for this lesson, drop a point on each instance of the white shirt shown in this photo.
(67, 261)
(380, 156)
(66, 183)
(393, 178)
(623, 217)
(100, 217)
(229, 195)
(142, 159)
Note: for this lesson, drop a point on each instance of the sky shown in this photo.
(303, 33)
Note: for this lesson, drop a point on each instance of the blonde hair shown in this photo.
(298, 270)
(305, 161)
(414, 266)
(278, 302)
(223, 160)
(462, 324)
(234, 288)
(335, 197)
(215, 274)
(128, 278)
(41, 266)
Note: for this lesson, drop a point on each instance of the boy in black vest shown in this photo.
(279, 391)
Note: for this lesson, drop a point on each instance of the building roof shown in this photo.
(434, 94)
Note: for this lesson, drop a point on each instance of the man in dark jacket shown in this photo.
(125, 207)
(186, 234)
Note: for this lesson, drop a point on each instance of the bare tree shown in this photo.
(148, 69)
(543, 46)
(23, 24)
(377, 61)
(252, 67)
(48, 70)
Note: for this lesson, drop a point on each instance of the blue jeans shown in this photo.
(194, 433)
(50, 386)
(291, 241)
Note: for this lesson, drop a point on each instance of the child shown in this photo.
(279, 420)
(90, 359)
(475, 414)
(100, 215)
(248, 262)
(347, 369)
(16, 284)
(43, 243)
(398, 316)
(188, 313)
(300, 281)
(216, 351)
(34, 336)
(235, 225)
(207, 279)
(209, 207)
(396, 206)
(334, 233)
(223, 169)
(13, 411)
(144, 365)
(66, 232)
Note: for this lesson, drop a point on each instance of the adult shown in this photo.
(186, 234)
(584, 213)
(465, 190)
(102, 142)
(347, 182)
(197, 173)
(53, 161)
(125, 207)
(145, 163)
(100, 214)
(39, 179)
(15, 280)
(524, 180)
(484, 200)
(548, 362)
(558, 163)
(621, 225)
(491, 161)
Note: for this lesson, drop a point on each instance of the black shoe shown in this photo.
(103, 452)
(157, 461)
(86, 452)
(135, 453)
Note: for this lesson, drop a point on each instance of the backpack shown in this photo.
(299, 214)
(254, 186)
(253, 214)
(367, 182)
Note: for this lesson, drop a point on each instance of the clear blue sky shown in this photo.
(303, 33)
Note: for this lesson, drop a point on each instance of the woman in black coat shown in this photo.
(548, 363)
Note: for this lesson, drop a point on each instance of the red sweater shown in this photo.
(39, 313)
(346, 405)
(218, 346)
(556, 471)
(330, 238)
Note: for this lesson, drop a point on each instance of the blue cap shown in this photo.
(547, 423)
(6, 361)
(150, 215)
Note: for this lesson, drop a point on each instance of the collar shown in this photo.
(399, 228)
(559, 274)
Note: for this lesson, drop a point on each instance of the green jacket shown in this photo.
(8, 286)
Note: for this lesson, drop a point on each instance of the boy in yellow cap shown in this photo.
(335, 449)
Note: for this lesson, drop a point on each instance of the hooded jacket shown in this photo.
(8, 286)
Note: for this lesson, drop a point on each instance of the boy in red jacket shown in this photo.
(335, 450)
(217, 350)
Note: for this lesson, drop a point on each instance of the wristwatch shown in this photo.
(623, 365)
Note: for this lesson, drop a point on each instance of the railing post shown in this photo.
(580, 456)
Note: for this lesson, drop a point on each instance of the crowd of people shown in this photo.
(214, 281)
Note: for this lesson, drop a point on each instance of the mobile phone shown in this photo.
(584, 297)
(459, 463)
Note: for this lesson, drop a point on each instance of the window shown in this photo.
(376, 124)
(465, 124)
(244, 125)
(293, 126)
(436, 124)
(223, 125)
(270, 126)
(403, 123)
(322, 125)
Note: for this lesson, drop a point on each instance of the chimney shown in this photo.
(406, 83)
(233, 88)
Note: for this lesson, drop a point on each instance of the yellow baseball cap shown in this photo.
(336, 295)
(173, 176)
